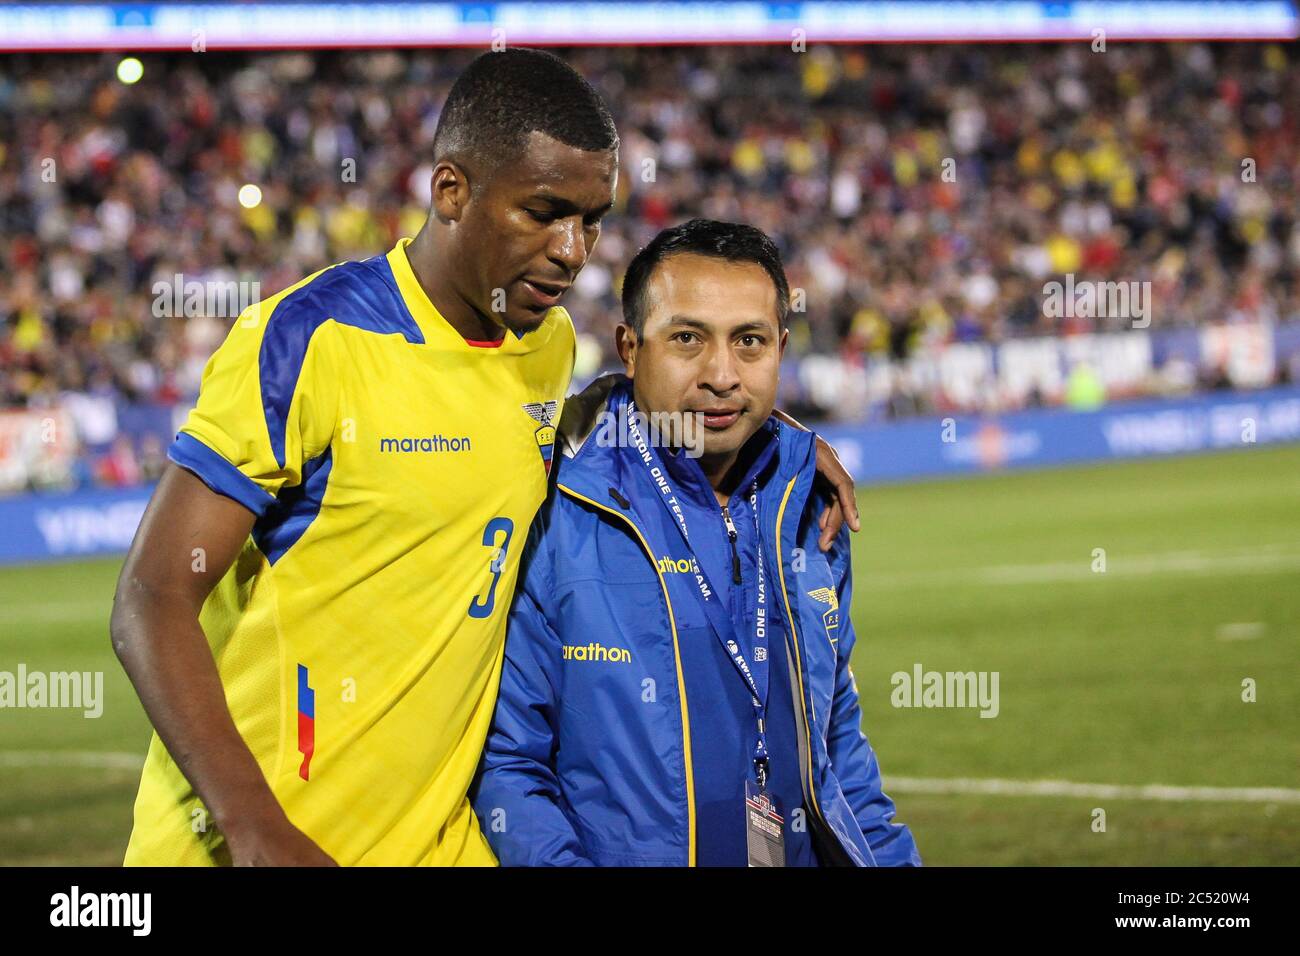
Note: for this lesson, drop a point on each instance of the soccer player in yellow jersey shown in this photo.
(313, 609)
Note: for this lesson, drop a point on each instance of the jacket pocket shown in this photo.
(621, 761)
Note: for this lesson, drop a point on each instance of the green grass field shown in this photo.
(1128, 677)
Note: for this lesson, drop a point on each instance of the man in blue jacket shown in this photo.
(676, 687)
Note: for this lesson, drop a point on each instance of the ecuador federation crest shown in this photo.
(544, 414)
(830, 618)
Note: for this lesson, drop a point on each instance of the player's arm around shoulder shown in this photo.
(852, 756)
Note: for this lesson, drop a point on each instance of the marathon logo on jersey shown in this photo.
(306, 722)
(544, 414)
(832, 617)
(428, 444)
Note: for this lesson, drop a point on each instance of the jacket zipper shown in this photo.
(731, 536)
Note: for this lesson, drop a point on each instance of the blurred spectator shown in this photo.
(921, 195)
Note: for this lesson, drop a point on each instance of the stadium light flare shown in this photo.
(250, 196)
(129, 70)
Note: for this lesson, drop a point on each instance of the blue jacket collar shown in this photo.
(688, 475)
(597, 465)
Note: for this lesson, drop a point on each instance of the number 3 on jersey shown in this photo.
(482, 607)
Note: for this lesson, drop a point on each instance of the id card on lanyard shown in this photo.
(763, 821)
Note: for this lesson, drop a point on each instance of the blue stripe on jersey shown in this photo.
(218, 474)
(279, 529)
(363, 295)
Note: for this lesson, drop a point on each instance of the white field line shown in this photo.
(81, 759)
(91, 759)
(1265, 560)
(52, 612)
(1240, 631)
(1104, 791)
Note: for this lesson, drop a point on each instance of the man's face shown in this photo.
(527, 232)
(711, 346)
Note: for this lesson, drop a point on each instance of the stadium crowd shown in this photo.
(920, 195)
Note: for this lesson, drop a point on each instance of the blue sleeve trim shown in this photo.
(218, 474)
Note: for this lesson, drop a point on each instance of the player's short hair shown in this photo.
(502, 97)
(732, 241)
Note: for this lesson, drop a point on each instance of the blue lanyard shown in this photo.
(659, 475)
(760, 641)
(754, 673)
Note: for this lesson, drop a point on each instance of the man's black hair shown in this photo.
(502, 97)
(732, 241)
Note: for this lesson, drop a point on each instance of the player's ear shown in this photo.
(625, 342)
(785, 336)
(450, 188)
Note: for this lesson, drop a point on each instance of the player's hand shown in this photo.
(278, 843)
(835, 479)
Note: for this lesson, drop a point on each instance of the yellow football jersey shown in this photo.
(394, 469)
